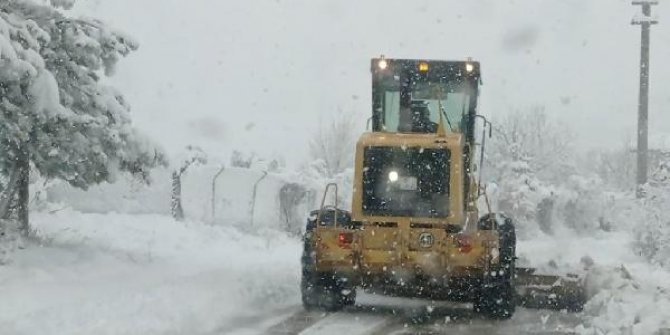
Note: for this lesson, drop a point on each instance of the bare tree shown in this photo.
(333, 143)
(531, 135)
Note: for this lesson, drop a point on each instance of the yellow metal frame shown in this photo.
(388, 245)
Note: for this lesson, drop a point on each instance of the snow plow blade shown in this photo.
(549, 291)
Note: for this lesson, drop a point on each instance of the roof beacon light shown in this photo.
(382, 64)
(423, 67)
(469, 67)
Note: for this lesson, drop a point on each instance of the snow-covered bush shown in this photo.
(518, 193)
(527, 156)
(651, 219)
(582, 204)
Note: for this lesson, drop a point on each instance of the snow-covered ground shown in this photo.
(143, 274)
(626, 294)
(148, 274)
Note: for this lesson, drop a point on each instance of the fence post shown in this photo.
(214, 192)
(253, 196)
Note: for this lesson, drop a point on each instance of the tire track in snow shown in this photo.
(405, 320)
(297, 322)
(252, 324)
(447, 320)
(349, 322)
(381, 315)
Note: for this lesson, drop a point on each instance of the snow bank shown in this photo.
(143, 274)
(630, 300)
(633, 296)
(627, 295)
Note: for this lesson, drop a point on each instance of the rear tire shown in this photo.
(326, 291)
(310, 299)
(496, 301)
(496, 298)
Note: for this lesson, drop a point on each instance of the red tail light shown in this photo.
(464, 243)
(344, 240)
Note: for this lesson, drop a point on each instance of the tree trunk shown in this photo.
(23, 165)
(7, 196)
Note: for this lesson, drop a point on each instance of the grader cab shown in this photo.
(414, 228)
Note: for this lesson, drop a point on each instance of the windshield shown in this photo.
(406, 182)
(428, 101)
(414, 96)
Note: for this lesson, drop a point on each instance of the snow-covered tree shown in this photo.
(519, 163)
(54, 111)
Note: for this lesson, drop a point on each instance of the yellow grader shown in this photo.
(415, 228)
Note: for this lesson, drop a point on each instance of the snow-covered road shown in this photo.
(376, 316)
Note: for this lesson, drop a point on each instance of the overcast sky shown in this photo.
(259, 75)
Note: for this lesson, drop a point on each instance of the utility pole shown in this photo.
(645, 21)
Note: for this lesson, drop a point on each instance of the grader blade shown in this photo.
(544, 291)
